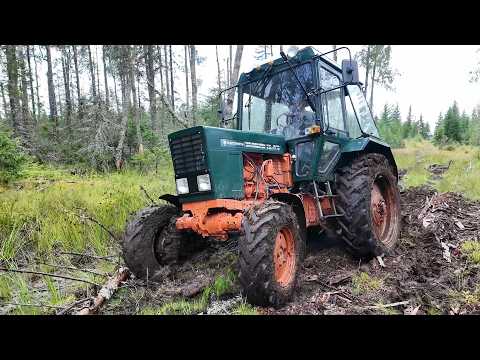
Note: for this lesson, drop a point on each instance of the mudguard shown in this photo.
(369, 145)
(172, 199)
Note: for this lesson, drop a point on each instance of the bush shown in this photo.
(12, 160)
(150, 160)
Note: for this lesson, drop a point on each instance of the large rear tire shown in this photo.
(368, 195)
(271, 249)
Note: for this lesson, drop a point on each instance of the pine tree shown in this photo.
(439, 132)
(451, 124)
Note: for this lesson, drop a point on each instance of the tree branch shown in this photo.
(48, 274)
(169, 108)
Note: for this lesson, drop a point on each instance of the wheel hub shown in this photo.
(284, 257)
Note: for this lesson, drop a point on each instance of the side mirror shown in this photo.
(350, 72)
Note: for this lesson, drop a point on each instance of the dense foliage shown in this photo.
(12, 159)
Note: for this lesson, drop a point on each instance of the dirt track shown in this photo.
(420, 277)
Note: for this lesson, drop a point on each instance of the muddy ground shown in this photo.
(431, 270)
(427, 273)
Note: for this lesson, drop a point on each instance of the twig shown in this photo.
(65, 310)
(380, 306)
(169, 108)
(48, 274)
(147, 195)
(74, 268)
(87, 255)
(33, 305)
(88, 217)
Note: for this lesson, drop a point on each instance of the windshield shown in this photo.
(362, 110)
(278, 105)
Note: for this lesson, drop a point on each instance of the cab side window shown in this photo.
(332, 100)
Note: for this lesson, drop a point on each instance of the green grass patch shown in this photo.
(471, 249)
(363, 283)
(461, 176)
(244, 309)
(50, 210)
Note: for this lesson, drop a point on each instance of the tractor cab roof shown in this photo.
(301, 56)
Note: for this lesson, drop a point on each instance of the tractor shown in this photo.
(302, 155)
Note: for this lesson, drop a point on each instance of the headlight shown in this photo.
(203, 182)
(182, 186)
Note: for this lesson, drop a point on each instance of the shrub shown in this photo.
(12, 160)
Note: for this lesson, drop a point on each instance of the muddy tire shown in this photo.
(368, 196)
(270, 252)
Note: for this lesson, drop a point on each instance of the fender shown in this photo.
(172, 199)
(369, 145)
(296, 203)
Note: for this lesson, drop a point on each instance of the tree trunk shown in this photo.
(30, 76)
(98, 72)
(229, 66)
(92, 75)
(150, 72)
(172, 92)
(160, 65)
(193, 74)
(114, 85)
(281, 48)
(335, 58)
(51, 89)
(185, 48)
(13, 93)
(39, 104)
(135, 108)
(373, 83)
(75, 60)
(5, 109)
(24, 86)
(125, 88)
(167, 84)
(107, 95)
(367, 70)
(219, 78)
(236, 70)
(60, 105)
(228, 73)
(66, 80)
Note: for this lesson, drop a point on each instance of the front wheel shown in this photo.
(271, 249)
(368, 196)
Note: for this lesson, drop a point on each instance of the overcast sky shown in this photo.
(431, 76)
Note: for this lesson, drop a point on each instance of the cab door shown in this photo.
(332, 105)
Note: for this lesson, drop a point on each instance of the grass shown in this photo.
(471, 249)
(461, 177)
(41, 215)
(223, 284)
(363, 283)
(46, 212)
(244, 309)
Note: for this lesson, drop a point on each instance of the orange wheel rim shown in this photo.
(284, 256)
(382, 204)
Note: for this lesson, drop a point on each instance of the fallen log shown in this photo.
(106, 291)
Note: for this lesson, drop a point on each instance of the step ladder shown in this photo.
(331, 198)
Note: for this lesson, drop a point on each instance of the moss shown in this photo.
(363, 283)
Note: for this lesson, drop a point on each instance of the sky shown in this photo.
(431, 76)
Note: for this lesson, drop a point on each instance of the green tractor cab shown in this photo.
(302, 152)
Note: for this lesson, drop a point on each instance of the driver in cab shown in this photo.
(298, 119)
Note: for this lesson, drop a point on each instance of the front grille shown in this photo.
(188, 154)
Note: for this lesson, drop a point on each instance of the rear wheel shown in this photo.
(368, 196)
(271, 249)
